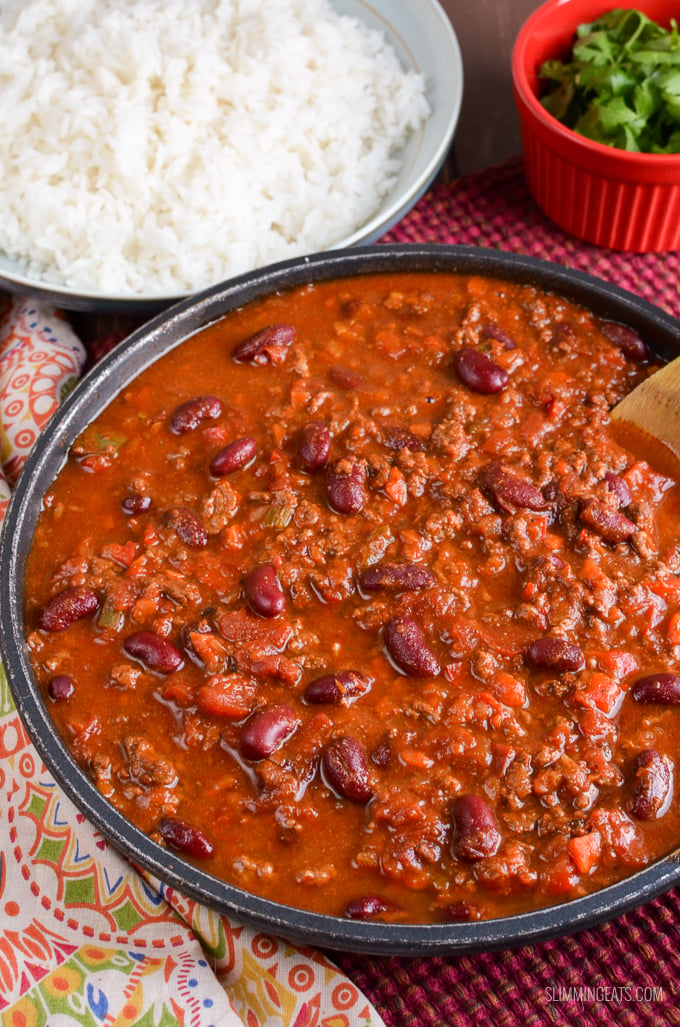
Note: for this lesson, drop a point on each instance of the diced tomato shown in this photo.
(454, 671)
(122, 554)
(617, 662)
(233, 537)
(216, 434)
(216, 573)
(241, 626)
(151, 536)
(299, 393)
(621, 835)
(506, 637)
(595, 725)
(562, 876)
(396, 487)
(179, 692)
(272, 665)
(497, 442)
(509, 689)
(585, 851)
(501, 758)
(229, 695)
(210, 649)
(390, 342)
(592, 574)
(533, 426)
(415, 758)
(602, 691)
(145, 608)
(84, 735)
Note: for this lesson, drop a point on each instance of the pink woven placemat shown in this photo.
(494, 209)
(628, 971)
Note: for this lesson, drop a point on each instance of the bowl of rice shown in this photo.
(152, 148)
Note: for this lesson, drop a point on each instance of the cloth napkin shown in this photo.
(84, 937)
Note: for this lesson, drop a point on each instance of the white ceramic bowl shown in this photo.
(425, 42)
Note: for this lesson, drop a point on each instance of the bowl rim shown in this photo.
(92, 394)
(570, 143)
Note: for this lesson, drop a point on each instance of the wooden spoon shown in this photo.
(647, 420)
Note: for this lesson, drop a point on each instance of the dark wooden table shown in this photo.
(488, 129)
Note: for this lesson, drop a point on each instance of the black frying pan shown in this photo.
(95, 391)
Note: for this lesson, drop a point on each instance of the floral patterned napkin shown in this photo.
(84, 937)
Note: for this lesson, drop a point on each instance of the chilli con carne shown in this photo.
(352, 600)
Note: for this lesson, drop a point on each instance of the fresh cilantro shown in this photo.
(621, 86)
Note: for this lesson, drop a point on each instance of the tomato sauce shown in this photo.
(353, 600)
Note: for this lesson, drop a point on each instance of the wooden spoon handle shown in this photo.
(647, 420)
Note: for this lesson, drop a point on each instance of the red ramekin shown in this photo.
(605, 196)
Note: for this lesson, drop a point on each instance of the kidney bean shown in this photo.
(135, 503)
(346, 486)
(561, 333)
(555, 654)
(66, 607)
(191, 414)
(550, 492)
(463, 912)
(234, 457)
(155, 651)
(663, 689)
(314, 446)
(479, 372)
(333, 688)
(263, 591)
(367, 907)
(395, 577)
(509, 491)
(654, 785)
(628, 341)
(616, 484)
(266, 730)
(346, 378)
(187, 527)
(493, 331)
(395, 437)
(408, 649)
(61, 687)
(185, 838)
(268, 346)
(611, 525)
(382, 754)
(476, 832)
(345, 770)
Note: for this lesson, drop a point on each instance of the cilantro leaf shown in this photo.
(621, 83)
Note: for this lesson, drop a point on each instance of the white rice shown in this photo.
(159, 146)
